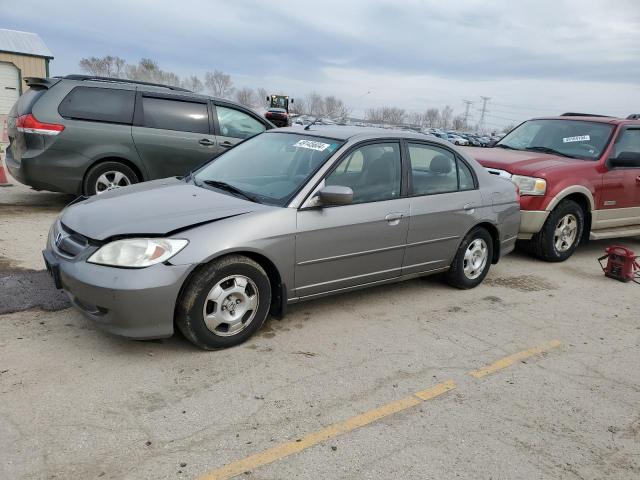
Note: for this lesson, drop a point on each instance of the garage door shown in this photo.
(9, 87)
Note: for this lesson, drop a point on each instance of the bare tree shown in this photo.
(415, 118)
(445, 117)
(246, 96)
(262, 95)
(108, 66)
(459, 122)
(432, 117)
(219, 84)
(193, 83)
(508, 128)
(299, 107)
(315, 104)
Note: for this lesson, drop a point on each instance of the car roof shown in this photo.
(591, 118)
(347, 132)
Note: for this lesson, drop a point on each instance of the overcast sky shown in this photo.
(531, 57)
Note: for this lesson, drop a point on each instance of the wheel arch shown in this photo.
(583, 197)
(124, 161)
(278, 289)
(495, 238)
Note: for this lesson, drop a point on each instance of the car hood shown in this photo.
(518, 162)
(152, 208)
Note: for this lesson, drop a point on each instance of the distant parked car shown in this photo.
(457, 140)
(278, 116)
(286, 216)
(87, 135)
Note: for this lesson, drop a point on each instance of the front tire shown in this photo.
(224, 303)
(561, 233)
(472, 261)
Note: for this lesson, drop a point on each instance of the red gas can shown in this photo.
(622, 263)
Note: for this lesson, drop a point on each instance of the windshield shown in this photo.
(270, 167)
(571, 138)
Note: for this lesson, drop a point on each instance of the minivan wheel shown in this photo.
(472, 261)
(108, 176)
(224, 303)
(560, 235)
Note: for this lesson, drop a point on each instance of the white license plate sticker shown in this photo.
(580, 138)
(319, 146)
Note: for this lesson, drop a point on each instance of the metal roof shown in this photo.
(24, 43)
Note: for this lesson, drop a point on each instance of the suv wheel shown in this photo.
(472, 261)
(108, 176)
(224, 303)
(560, 234)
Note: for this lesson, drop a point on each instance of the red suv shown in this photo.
(579, 179)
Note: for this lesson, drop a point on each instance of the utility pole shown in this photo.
(467, 105)
(483, 112)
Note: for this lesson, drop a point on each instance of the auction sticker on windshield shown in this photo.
(580, 138)
(312, 145)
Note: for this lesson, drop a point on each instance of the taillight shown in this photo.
(30, 124)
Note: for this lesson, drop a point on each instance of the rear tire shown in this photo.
(108, 176)
(472, 261)
(224, 303)
(556, 241)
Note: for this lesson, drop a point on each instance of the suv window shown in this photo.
(237, 124)
(98, 104)
(437, 170)
(170, 114)
(371, 171)
(628, 141)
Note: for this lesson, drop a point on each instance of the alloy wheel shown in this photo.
(110, 181)
(566, 232)
(231, 305)
(475, 258)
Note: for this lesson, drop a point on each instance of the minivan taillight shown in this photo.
(30, 124)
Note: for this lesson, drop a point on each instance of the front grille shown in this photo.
(68, 242)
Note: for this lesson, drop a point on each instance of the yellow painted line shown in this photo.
(516, 357)
(289, 448)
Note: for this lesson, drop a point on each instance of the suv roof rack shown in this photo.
(123, 80)
(634, 116)
(574, 114)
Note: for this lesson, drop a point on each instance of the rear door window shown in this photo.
(98, 104)
(170, 114)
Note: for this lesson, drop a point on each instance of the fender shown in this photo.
(562, 194)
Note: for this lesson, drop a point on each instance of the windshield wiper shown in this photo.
(552, 151)
(502, 145)
(231, 189)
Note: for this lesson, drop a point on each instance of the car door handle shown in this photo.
(394, 218)
(226, 144)
(207, 142)
(469, 207)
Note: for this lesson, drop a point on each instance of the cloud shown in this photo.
(466, 48)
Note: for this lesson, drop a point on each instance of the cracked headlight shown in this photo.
(137, 252)
(530, 185)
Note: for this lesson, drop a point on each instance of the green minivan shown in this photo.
(86, 135)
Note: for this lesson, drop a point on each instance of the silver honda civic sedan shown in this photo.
(286, 216)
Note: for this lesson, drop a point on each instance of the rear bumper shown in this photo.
(531, 222)
(133, 303)
(54, 170)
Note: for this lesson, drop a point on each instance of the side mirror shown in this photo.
(334, 195)
(492, 143)
(291, 100)
(625, 160)
(268, 99)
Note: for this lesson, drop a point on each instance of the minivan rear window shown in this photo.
(178, 115)
(98, 104)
